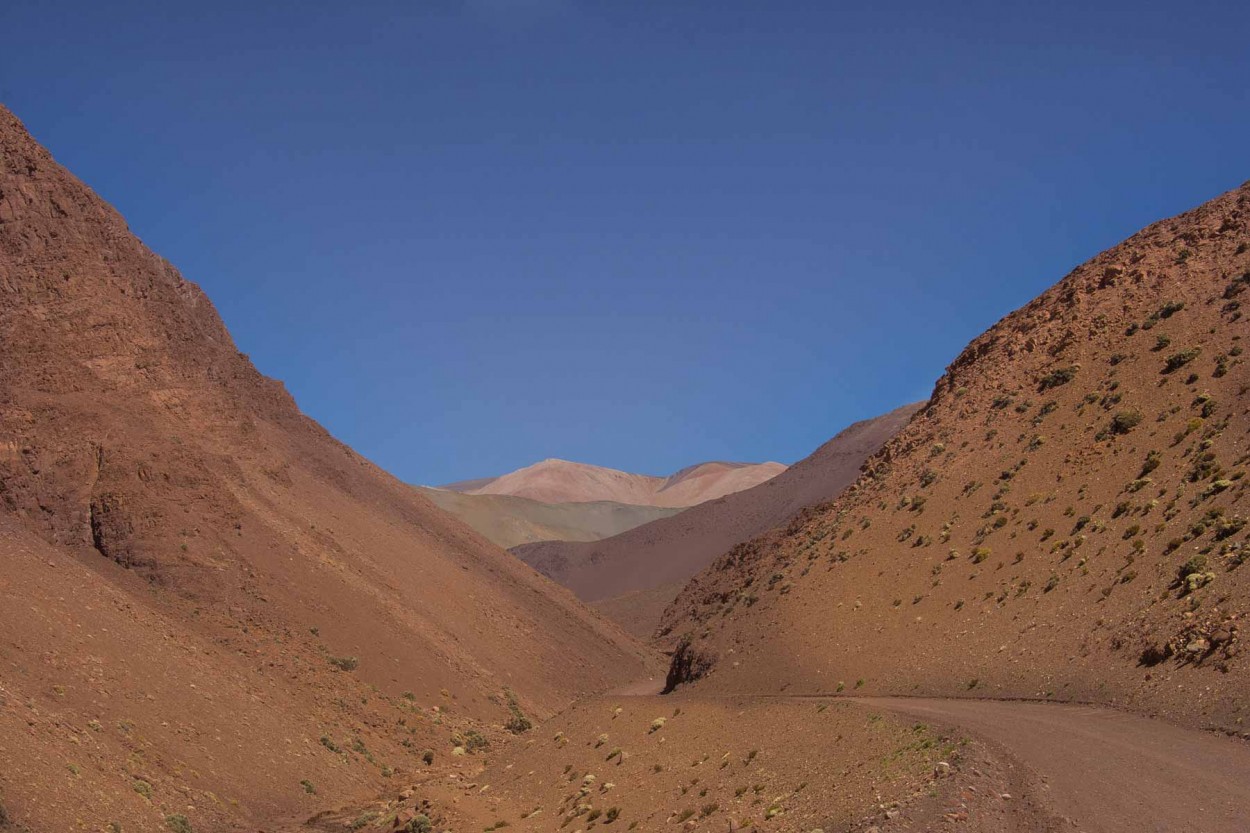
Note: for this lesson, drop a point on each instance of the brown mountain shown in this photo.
(633, 576)
(212, 609)
(510, 521)
(561, 481)
(1066, 518)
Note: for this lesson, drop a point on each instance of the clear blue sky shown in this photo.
(470, 234)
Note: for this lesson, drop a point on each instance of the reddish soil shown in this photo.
(687, 763)
(560, 481)
(201, 584)
(633, 576)
(1066, 518)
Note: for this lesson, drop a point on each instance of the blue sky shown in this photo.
(471, 234)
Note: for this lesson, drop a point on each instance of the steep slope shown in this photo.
(561, 481)
(1065, 518)
(509, 521)
(633, 576)
(201, 581)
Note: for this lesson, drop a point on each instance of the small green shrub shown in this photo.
(1058, 377)
(1125, 421)
(1178, 360)
(345, 663)
(1193, 566)
(518, 723)
(177, 823)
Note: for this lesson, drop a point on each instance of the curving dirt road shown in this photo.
(1106, 771)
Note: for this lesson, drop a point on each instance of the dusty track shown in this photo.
(1105, 770)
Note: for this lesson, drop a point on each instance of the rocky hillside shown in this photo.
(632, 577)
(213, 609)
(1066, 517)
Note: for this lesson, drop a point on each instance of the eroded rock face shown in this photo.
(690, 662)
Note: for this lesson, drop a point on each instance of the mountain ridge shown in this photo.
(555, 480)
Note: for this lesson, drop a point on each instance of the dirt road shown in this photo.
(1107, 771)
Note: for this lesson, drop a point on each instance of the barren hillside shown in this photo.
(1066, 517)
(213, 609)
(509, 521)
(561, 481)
(633, 576)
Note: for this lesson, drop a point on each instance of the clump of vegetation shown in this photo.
(308, 786)
(1125, 421)
(1170, 308)
(518, 723)
(1193, 574)
(420, 824)
(345, 663)
(177, 823)
(1178, 360)
(474, 740)
(657, 725)
(1058, 377)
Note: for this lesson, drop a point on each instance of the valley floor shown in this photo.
(800, 764)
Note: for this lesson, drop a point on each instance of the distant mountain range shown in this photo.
(633, 576)
(562, 481)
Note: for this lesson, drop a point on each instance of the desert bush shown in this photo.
(1125, 421)
(1058, 377)
(345, 663)
(177, 823)
(1178, 360)
(518, 723)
